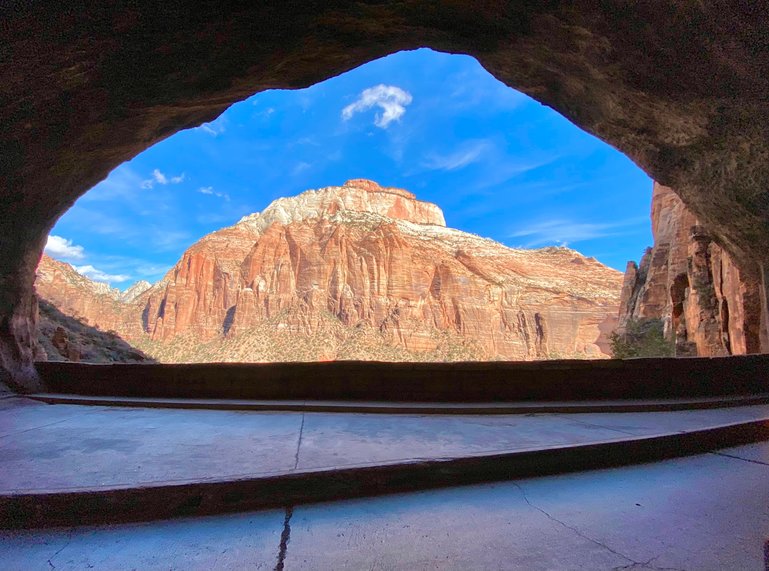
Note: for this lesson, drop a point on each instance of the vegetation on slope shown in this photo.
(641, 338)
(66, 338)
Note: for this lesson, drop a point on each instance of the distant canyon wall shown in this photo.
(356, 272)
(708, 306)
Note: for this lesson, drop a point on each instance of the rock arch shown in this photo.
(681, 87)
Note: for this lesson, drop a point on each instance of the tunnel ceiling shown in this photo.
(681, 87)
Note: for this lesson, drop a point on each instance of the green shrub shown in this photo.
(641, 338)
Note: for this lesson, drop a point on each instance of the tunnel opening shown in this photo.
(542, 50)
(679, 87)
(351, 271)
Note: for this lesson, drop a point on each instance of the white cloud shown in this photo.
(58, 247)
(263, 113)
(564, 232)
(391, 99)
(300, 167)
(214, 128)
(470, 153)
(99, 276)
(160, 178)
(209, 190)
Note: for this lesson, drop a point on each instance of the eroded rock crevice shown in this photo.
(709, 306)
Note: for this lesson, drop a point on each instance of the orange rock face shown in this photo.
(691, 283)
(76, 295)
(362, 271)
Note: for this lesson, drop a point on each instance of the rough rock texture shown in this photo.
(66, 338)
(681, 87)
(709, 307)
(93, 304)
(360, 271)
(71, 292)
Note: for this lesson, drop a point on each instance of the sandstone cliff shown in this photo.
(79, 318)
(62, 337)
(366, 272)
(707, 305)
(96, 304)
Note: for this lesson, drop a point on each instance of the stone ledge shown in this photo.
(394, 407)
(117, 505)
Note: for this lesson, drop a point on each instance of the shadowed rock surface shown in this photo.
(681, 87)
(64, 338)
(357, 271)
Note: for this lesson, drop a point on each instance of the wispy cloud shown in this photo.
(99, 276)
(565, 232)
(58, 247)
(464, 92)
(300, 167)
(151, 270)
(161, 234)
(123, 183)
(392, 100)
(164, 240)
(265, 113)
(137, 268)
(209, 190)
(508, 168)
(158, 177)
(215, 127)
(470, 152)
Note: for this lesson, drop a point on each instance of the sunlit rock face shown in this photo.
(96, 303)
(362, 271)
(692, 284)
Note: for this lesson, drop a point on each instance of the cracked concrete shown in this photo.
(62, 548)
(567, 526)
(285, 538)
(737, 457)
(632, 565)
(646, 565)
(701, 513)
(299, 443)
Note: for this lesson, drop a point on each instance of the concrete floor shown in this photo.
(701, 513)
(68, 447)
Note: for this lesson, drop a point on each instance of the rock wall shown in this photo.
(66, 338)
(686, 279)
(96, 304)
(358, 271)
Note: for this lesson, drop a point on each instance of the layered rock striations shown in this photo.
(363, 271)
(708, 306)
(79, 317)
(95, 303)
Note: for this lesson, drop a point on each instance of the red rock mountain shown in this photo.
(366, 272)
(78, 317)
(707, 305)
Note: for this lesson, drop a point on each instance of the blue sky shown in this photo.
(498, 163)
